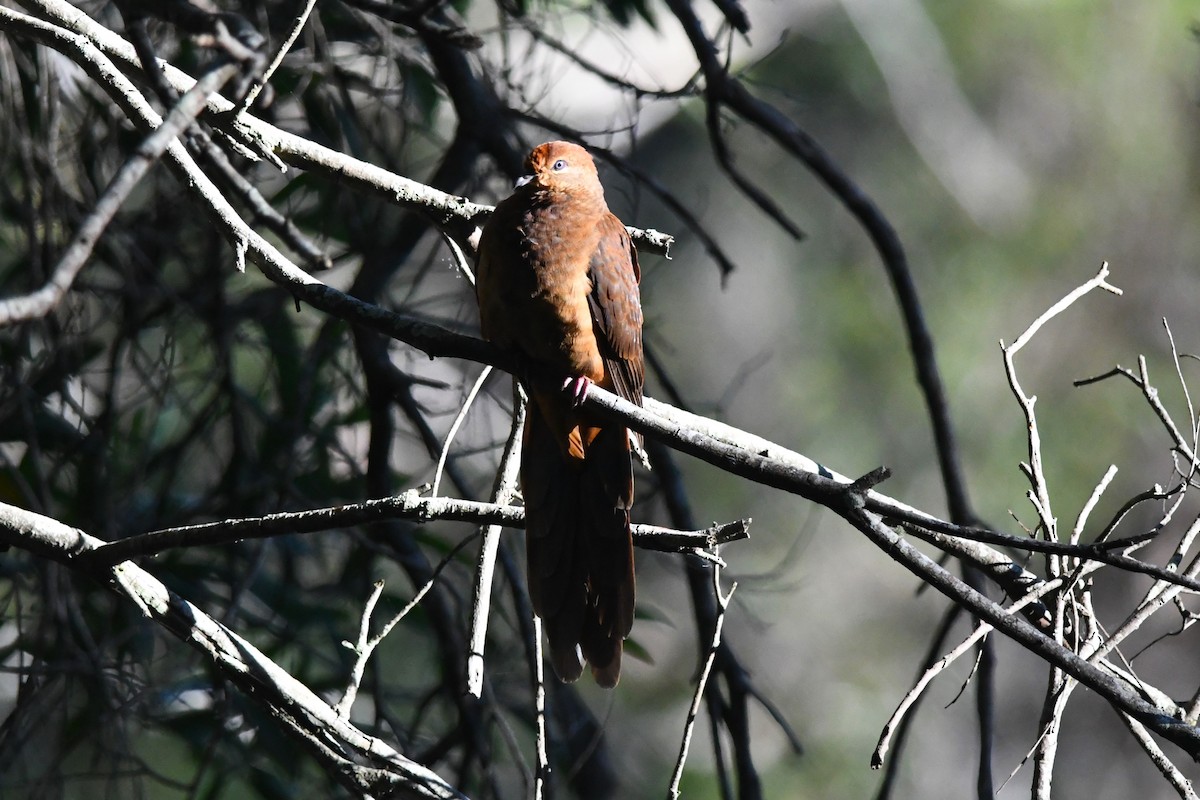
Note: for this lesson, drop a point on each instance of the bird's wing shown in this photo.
(616, 309)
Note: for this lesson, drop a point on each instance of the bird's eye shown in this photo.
(559, 165)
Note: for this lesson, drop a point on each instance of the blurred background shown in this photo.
(1013, 146)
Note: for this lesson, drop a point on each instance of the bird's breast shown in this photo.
(557, 243)
(533, 281)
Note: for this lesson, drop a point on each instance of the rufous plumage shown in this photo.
(557, 284)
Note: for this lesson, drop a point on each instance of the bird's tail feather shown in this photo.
(579, 546)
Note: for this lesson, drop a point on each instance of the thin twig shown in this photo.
(360, 647)
(981, 630)
(366, 647)
(1155, 599)
(503, 493)
(752, 192)
(1059, 687)
(1096, 282)
(904, 724)
(1142, 381)
(1090, 505)
(1187, 396)
(698, 696)
(539, 708)
(252, 95)
(1040, 496)
(454, 426)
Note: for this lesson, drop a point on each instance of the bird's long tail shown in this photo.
(579, 546)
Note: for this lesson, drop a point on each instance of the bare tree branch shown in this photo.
(44, 300)
(694, 711)
(363, 763)
(409, 505)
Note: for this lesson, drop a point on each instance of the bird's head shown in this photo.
(561, 167)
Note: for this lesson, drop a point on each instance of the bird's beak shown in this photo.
(524, 179)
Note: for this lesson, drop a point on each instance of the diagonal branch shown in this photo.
(456, 215)
(723, 89)
(361, 762)
(43, 301)
(1166, 720)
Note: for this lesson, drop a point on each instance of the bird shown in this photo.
(557, 283)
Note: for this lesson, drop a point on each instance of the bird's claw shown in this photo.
(578, 389)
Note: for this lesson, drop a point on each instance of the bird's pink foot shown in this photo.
(578, 389)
